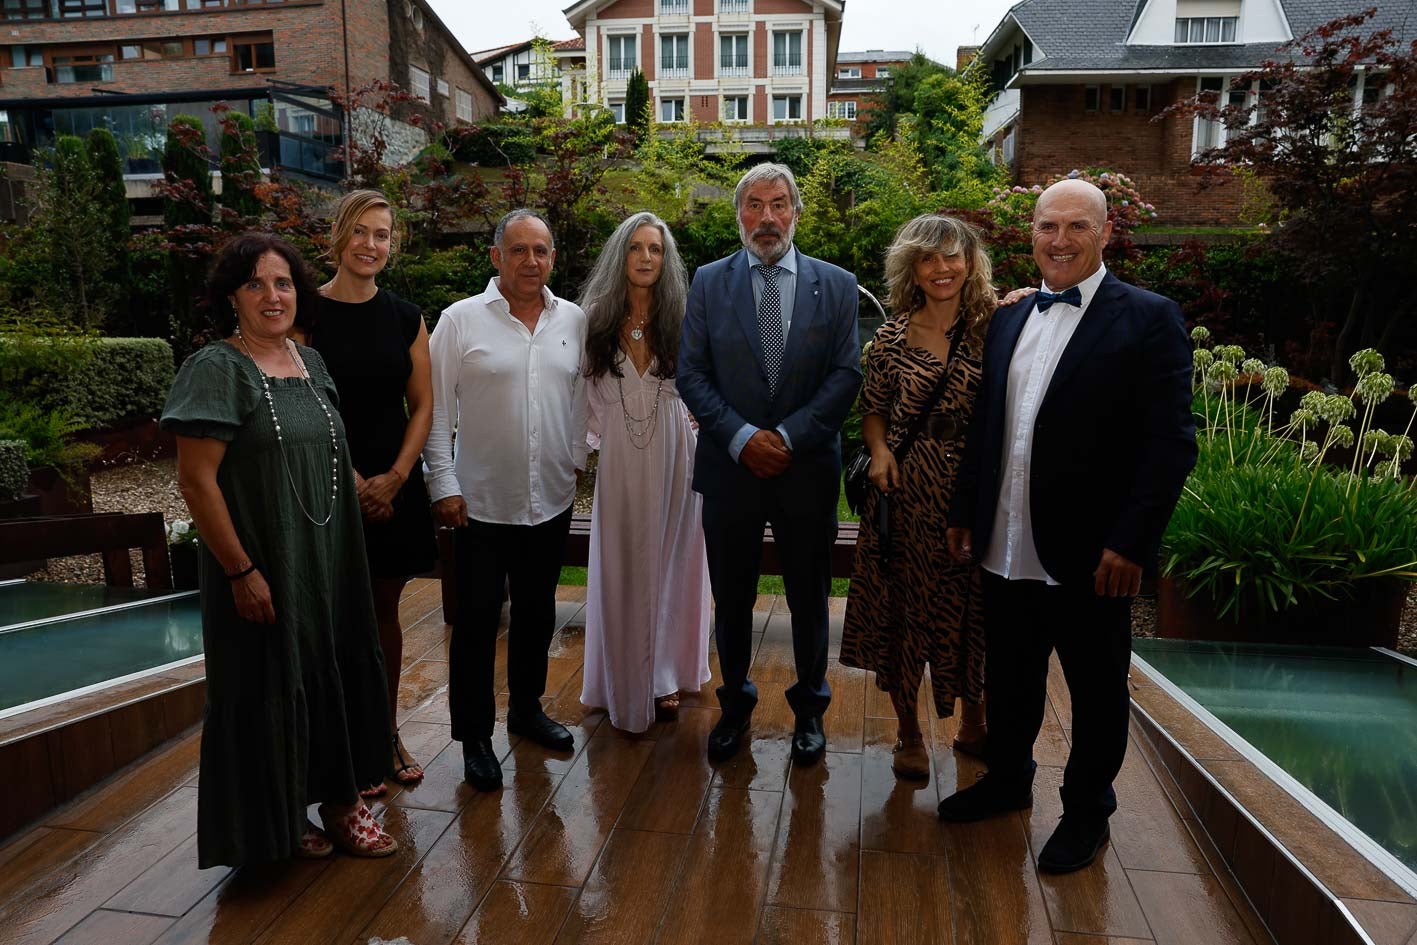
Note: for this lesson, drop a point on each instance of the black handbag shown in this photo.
(857, 480)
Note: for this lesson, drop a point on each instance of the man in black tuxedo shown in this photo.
(1081, 440)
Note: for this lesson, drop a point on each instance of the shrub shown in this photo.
(98, 382)
(493, 145)
(14, 470)
(48, 436)
(439, 278)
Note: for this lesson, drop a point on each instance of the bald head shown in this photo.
(1070, 227)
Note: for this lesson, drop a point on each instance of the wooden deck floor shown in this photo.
(637, 840)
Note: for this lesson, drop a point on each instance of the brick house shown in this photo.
(754, 62)
(1079, 83)
(67, 66)
(528, 65)
(859, 79)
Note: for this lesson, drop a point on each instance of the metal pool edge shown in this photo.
(98, 687)
(97, 611)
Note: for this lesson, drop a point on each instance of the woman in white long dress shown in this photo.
(647, 604)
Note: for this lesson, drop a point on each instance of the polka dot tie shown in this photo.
(770, 324)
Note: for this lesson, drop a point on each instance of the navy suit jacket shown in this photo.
(724, 385)
(1113, 441)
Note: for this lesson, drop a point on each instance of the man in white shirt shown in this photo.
(507, 380)
(1081, 440)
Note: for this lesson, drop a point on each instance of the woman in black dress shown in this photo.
(376, 347)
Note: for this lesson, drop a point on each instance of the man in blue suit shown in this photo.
(1081, 440)
(769, 365)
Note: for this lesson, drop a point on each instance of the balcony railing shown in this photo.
(727, 67)
(673, 7)
(732, 6)
(788, 67)
(674, 72)
(620, 69)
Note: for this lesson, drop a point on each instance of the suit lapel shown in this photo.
(804, 307)
(1101, 312)
(738, 286)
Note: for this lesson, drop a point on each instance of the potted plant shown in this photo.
(1274, 541)
(183, 551)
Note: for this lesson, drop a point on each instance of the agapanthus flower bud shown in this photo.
(1202, 358)
(1304, 417)
(1385, 470)
(1220, 372)
(1276, 381)
(1251, 366)
(1309, 451)
(1336, 408)
(1400, 447)
(1375, 441)
(1313, 400)
(1340, 434)
(1232, 353)
(1366, 362)
(1200, 334)
(1375, 387)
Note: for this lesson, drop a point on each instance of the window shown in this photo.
(1116, 98)
(674, 55)
(1206, 29)
(733, 54)
(732, 6)
(26, 9)
(251, 53)
(83, 66)
(523, 71)
(8, 134)
(497, 73)
(1091, 96)
(1207, 133)
(787, 108)
(850, 72)
(132, 52)
(671, 110)
(463, 104)
(22, 56)
(443, 87)
(787, 53)
(82, 8)
(418, 82)
(212, 46)
(622, 55)
(164, 49)
(674, 7)
(146, 6)
(883, 73)
(735, 108)
(1141, 99)
(617, 111)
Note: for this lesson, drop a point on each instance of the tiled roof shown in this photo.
(481, 56)
(1082, 35)
(575, 42)
(874, 55)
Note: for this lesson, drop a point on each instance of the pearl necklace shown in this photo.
(280, 440)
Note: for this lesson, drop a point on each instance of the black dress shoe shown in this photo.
(982, 800)
(1074, 844)
(542, 729)
(808, 740)
(726, 738)
(480, 766)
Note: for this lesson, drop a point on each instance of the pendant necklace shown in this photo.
(280, 440)
(637, 331)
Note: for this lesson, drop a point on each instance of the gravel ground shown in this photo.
(152, 487)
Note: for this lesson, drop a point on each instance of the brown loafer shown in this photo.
(909, 759)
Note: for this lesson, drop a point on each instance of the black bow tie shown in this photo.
(1044, 299)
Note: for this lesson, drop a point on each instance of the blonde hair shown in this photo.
(935, 232)
(351, 207)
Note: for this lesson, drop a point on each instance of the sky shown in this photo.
(935, 26)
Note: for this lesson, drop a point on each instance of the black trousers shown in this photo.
(488, 557)
(1024, 622)
(733, 536)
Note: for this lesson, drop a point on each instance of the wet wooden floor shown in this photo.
(637, 840)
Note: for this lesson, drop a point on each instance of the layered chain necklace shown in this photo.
(640, 429)
(280, 440)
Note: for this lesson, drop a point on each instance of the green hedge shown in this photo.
(105, 383)
(14, 471)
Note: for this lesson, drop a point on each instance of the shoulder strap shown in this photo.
(918, 424)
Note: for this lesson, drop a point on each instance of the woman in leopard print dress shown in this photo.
(919, 608)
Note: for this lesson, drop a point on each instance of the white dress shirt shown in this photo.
(1012, 553)
(517, 401)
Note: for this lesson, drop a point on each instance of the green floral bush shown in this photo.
(1267, 518)
(14, 470)
(101, 383)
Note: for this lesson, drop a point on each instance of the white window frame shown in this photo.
(617, 110)
(747, 100)
(787, 68)
(736, 70)
(669, 102)
(418, 83)
(788, 98)
(624, 40)
(1249, 96)
(849, 72)
(442, 86)
(846, 109)
(679, 69)
(462, 100)
(1205, 23)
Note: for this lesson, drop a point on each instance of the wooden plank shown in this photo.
(816, 860)
(524, 913)
(29, 857)
(171, 886)
(726, 862)
(897, 814)
(134, 790)
(994, 889)
(115, 928)
(905, 898)
(1184, 909)
(844, 718)
(637, 867)
(245, 904)
(806, 927)
(670, 790)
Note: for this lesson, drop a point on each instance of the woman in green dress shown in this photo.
(296, 709)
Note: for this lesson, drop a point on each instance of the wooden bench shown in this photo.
(110, 534)
(577, 554)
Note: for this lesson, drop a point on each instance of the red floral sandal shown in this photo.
(357, 832)
(314, 844)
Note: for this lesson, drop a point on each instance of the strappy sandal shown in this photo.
(374, 790)
(314, 844)
(404, 765)
(357, 832)
(974, 745)
(666, 708)
(909, 758)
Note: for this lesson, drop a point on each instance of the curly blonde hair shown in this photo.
(936, 232)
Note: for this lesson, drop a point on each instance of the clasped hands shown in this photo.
(1115, 576)
(765, 454)
(376, 494)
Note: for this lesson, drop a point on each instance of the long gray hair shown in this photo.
(605, 298)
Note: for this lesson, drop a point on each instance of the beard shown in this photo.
(775, 250)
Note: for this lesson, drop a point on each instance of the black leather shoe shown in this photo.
(542, 729)
(726, 738)
(982, 800)
(808, 740)
(1074, 844)
(480, 766)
